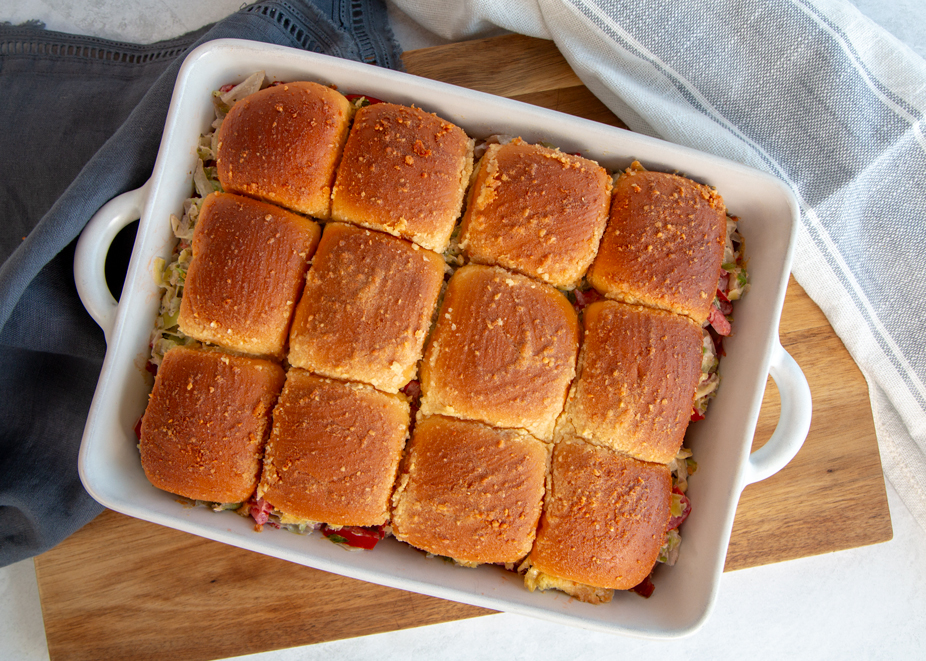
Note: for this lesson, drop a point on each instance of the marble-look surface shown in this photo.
(861, 603)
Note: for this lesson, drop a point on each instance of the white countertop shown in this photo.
(868, 602)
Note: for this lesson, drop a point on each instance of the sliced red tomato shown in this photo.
(695, 416)
(138, 428)
(361, 538)
(644, 588)
(676, 521)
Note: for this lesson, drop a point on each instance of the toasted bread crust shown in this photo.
(367, 306)
(537, 211)
(663, 245)
(247, 273)
(470, 492)
(404, 172)
(502, 351)
(637, 375)
(207, 418)
(283, 143)
(334, 451)
(604, 517)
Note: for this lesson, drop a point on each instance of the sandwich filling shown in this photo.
(349, 537)
(732, 285)
(171, 276)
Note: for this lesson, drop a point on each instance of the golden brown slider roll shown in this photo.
(537, 211)
(637, 375)
(470, 492)
(208, 416)
(283, 143)
(248, 270)
(663, 245)
(502, 351)
(366, 308)
(603, 523)
(334, 451)
(404, 172)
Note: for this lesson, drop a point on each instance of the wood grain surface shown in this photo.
(831, 495)
(125, 588)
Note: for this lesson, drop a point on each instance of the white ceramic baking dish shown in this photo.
(109, 460)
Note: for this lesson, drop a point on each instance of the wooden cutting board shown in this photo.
(124, 588)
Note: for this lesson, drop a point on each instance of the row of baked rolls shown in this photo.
(404, 171)
(388, 167)
(494, 377)
(608, 501)
(221, 428)
(609, 495)
(609, 489)
(360, 312)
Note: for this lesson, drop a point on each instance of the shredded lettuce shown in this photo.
(710, 379)
(223, 101)
(483, 145)
(216, 507)
(170, 277)
(668, 554)
(734, 261)
(681, 467)
(203, 182)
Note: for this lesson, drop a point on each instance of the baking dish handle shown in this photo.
(793, 424)
(91, 250)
